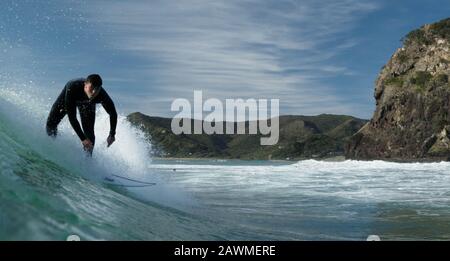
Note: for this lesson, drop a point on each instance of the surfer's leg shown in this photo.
(87, 113)
(57, 113)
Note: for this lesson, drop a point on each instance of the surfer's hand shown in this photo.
(110, 140)
(87, 145)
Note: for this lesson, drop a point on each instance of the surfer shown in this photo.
(83, 94)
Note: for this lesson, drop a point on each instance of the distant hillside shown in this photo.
(300, 137)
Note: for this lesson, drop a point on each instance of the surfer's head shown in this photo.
(93, 85)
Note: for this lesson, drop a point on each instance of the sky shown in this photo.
(316, 56)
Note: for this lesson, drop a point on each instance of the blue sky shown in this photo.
(319, 56)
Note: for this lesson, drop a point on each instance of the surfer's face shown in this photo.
(89, 89)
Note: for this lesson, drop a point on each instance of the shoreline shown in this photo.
(336, 158)
(328, 159)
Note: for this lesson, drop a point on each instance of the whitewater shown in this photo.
(49, 190)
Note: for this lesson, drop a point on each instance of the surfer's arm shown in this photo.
(71, 109)
(108, 104)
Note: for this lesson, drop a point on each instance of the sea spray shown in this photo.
(25, 111)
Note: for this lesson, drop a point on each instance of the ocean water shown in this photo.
(50, 190)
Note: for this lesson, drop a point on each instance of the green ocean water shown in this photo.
(50, 190)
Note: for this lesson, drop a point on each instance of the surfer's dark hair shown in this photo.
(95, 79)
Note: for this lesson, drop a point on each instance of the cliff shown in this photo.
(412, 93)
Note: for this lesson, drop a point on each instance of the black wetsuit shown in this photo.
(73, 96)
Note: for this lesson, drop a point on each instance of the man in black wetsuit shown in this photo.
(83, 94)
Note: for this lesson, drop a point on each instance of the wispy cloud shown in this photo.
(164, 49)
(279, 49)
(317, 56)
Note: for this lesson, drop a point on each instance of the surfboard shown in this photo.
(121, 181)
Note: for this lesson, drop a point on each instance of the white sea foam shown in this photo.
(370, 181)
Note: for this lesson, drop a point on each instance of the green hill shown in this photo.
(300, 137)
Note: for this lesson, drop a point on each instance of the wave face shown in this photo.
(50, 190)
